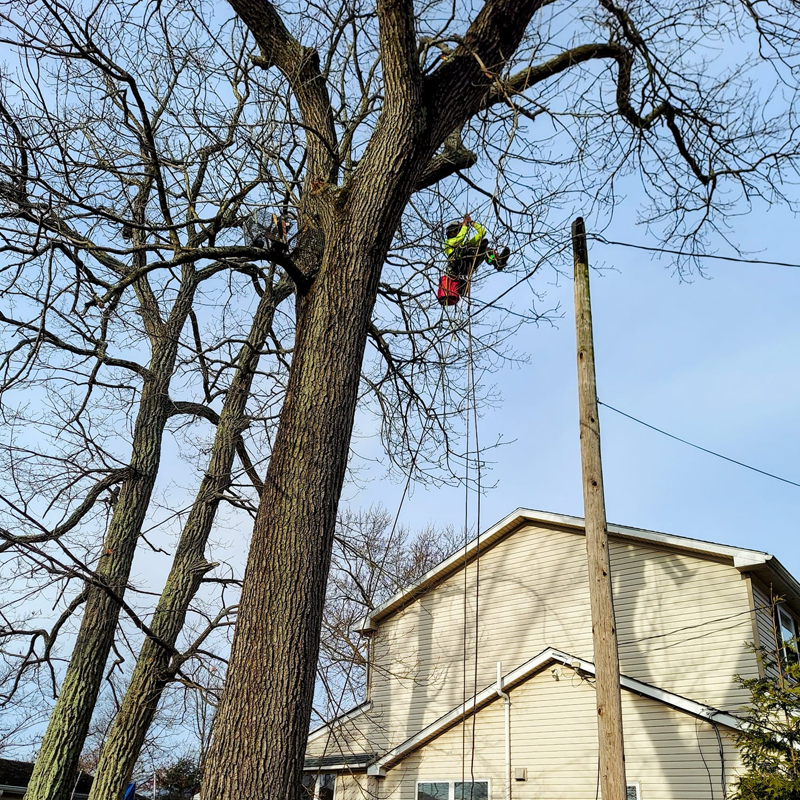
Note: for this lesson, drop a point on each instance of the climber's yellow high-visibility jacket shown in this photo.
(452, 245)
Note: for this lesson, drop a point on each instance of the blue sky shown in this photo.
(713, 361)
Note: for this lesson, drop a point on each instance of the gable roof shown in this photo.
(523, 673)
(765, 566)
(340, 719)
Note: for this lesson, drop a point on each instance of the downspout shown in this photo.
(507, 704)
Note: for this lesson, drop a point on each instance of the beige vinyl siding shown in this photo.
(554, 737)
(682, 622)
(533, 593)
(350, 786)
(764, 623)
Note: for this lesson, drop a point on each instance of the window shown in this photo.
(633, 792)
(788, 633)
(452, 790)
(319, 786)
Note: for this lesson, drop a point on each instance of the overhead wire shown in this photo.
(689, 254)
(697, 446)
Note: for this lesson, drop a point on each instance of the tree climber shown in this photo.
(464, 253)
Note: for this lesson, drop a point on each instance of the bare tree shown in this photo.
(627, 81)
(122, 207)
(372, 559)
(20, 720)
(142, 286)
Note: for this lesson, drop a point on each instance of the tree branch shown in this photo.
(446, 163)
(401, 72)
(300, 66)
(476, 63)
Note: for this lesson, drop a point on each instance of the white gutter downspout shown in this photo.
(507, 704)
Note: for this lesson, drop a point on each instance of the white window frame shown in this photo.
(637, 788)
(451, 785)
(783, 613)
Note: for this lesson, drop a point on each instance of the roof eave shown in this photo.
(741, 558)
(522, 673)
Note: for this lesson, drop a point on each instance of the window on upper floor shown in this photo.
(788, 632)
(452, 790)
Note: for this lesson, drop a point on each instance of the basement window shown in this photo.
(788, 631)
(633, 792)
(452, 790)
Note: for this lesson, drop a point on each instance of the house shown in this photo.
(481, 681)
(15, 775)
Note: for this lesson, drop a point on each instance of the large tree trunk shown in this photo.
(153, 669)
(262, 723)
(56, 767)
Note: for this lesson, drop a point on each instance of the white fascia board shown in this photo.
(521, 674)
(676, 701)
(742, 558)
(359, 765)
(327, 727)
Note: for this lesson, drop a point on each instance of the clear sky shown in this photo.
(713, 361)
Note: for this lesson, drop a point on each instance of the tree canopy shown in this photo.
(140, 142)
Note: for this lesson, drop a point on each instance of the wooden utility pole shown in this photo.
(604, 629)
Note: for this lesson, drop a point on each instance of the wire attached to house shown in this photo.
(698, 447)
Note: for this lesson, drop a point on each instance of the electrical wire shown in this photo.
(702, 756)
(693, 627)
(688, 254)
(721, 759)
(697, 446)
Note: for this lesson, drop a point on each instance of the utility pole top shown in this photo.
(579, 241)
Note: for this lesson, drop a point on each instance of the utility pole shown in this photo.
(604, 629)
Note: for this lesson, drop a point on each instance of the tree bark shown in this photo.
(262, 724)
(153, 668)
(56, 767)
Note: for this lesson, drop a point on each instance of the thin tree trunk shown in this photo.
(153, 671)
(56, 767)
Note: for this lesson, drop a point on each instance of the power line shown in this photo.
(698, 447)
(602, 239)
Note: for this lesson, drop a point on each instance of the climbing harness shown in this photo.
(463, 257)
